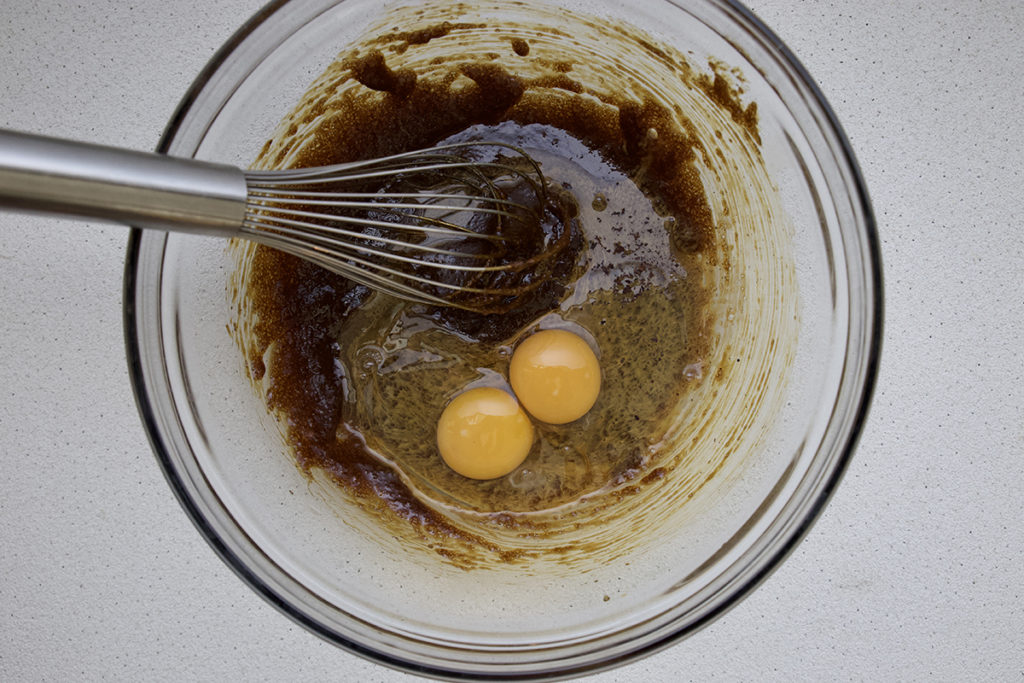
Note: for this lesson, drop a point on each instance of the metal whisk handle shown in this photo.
(49, 175)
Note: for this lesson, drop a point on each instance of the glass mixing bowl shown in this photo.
(329, 570)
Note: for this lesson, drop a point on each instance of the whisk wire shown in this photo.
(328, 235)
(432, 226)
(376, 275)
(349, 204)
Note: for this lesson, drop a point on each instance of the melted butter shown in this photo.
(663, 265)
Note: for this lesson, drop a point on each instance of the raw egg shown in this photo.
(484, 434)
(556, 376)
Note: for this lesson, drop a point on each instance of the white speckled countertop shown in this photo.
(915, 570)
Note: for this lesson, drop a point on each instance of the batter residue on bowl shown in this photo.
(658, 163)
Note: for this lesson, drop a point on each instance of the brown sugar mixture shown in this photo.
(358, 379)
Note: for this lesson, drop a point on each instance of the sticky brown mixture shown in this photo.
(358, 380)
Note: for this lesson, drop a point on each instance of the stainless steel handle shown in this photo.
(48, 175)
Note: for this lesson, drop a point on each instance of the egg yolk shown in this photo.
(556, 376)
(484, 434)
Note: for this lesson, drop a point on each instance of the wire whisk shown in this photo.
(461, 224)
(440, 223)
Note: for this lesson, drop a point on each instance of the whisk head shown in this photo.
(454, 225)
